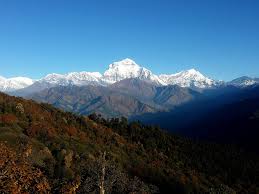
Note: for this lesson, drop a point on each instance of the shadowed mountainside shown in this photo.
(223, 115)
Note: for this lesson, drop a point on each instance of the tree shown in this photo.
(17, 175)
(221, 189)
(102, 176)
(19, 108)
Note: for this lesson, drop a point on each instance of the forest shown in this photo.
(47, 150)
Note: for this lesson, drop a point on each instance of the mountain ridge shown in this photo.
(117, 71)
(15, 83)
(88, 99)
(126, 98)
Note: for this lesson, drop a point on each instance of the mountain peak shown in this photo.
(127, 68)
(127, 61)
(123, 69)
(244, 81)
(193, 71)
(188, 78)
(15, 83)
(124, 62)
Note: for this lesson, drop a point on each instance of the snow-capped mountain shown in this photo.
(74, 78)
(244, 81)
(189, 78)
(117, 71)
(128, 68)
(12, 84)
(70, 79)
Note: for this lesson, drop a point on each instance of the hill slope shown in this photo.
(66, 149)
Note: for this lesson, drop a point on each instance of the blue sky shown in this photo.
(220, 38)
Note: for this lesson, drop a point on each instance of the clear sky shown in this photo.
(220, 38)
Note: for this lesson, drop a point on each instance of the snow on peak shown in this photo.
(188, 78)
(243, 81)
(125, 62)
(117, 71)
(128, 68)
(15, 83)
(52, 77)
(194, 72)
(249, 82)
(83, 78)
(73, 78)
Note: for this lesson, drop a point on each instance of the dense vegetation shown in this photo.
(60, 152)
(227, 115)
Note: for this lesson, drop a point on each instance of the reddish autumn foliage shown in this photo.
(8, 118)
(65, 146)
(41, 130)
(71, 131)
(18, 176)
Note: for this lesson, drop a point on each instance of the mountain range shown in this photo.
(219, 122)
(129, 97)
(117, 71)
(125, 89)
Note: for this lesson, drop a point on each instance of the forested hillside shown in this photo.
(46, 150)
(227, 115)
